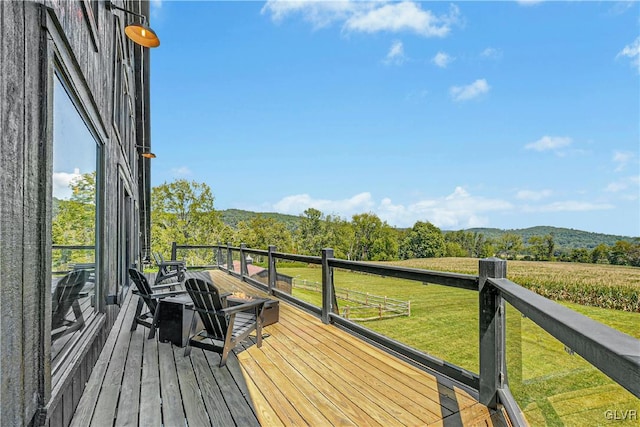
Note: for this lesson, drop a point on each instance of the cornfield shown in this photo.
(598, 285)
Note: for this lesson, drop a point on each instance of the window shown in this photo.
(74, 280)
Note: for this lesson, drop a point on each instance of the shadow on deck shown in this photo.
(306, 373)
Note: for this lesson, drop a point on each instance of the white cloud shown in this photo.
(366, 16)
(442, 59)
(318, 13)
(622, 159)
(529, 2)
(491, 53)
(298, 203)
(632, 51)
(533, 195)
(547, 143)
(395, 55)
(456, 210)
(182, 171)
(569, 206)
(628, 183)
(465, 93)
(405, 16)
(62, 181)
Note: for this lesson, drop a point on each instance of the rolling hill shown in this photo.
(564, 238)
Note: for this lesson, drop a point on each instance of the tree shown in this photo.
(579, 255)
(424, 240)
(600, 254)
(373, 239)
(260, 232)
(509, 245)
(74, 221)
(618, 254)
(183, 212)
(537, 247)
(311, 232)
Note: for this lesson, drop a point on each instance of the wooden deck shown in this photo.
(306, 373)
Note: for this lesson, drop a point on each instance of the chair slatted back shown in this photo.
(144, 288)
(206, 300)
(67, 291)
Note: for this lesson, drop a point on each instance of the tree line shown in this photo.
(184, 212)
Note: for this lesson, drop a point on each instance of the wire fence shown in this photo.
(368, 306)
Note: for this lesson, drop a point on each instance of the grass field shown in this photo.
(552, 386)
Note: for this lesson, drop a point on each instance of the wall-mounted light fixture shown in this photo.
(141, 33)
(145, 152)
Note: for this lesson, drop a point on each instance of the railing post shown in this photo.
(174, 251)
(229, 258)
(219, 255)
(492, 332)
(327, 285)
(273, 275)
(243, 261)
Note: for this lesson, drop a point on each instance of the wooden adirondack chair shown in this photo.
(65, 297)
(147, 296)
(223, 327)
(169, 269)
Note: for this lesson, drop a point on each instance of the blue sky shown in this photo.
(465, 114)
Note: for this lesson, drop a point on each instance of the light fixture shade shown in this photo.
(148, 155)
(142, 35)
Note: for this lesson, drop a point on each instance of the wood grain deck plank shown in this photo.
(404, 403)
(421, 388)
(368, 388)
(86, 407)
(108, 399)
(219, 414)
(172, 410)
(192, 400)
(236, 401)
(150, 399)
(290, 386)
(279, 402)
(335, 395)
(265, 413)
(129, 402)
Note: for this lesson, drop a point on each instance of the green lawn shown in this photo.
(551, 386)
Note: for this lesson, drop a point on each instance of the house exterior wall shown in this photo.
(77, 39)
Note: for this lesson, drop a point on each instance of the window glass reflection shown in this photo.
(73, 224)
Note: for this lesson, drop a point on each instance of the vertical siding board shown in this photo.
(2, 196)
(33, 271)
(11, 96)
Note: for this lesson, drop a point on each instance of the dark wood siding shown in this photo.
(27, 51)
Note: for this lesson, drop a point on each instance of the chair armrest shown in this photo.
(160, 296)
(258, 302)
(173, 263)
(165, 285)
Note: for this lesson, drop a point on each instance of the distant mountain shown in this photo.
(564, 238)
(232, 217)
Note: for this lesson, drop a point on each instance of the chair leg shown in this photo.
(223, 356)
(259, 333)
(194, 320)
(154, 323)
(134, 325)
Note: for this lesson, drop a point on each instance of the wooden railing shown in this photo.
(614, 353)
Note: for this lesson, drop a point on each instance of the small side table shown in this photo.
(175, 319)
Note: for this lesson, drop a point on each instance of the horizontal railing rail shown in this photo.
(614, 353)
(592, 340)
(70, 264)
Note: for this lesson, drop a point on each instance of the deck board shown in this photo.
(306, 373)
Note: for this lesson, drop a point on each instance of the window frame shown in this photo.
(61, 64)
